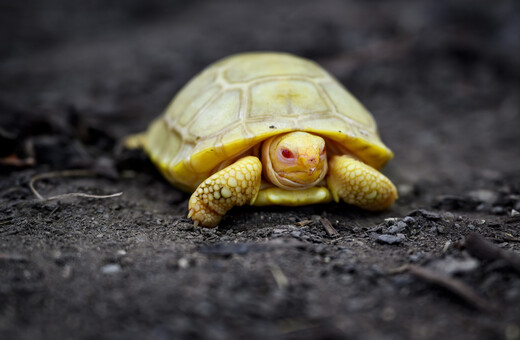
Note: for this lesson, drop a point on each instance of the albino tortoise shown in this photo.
(268, 128)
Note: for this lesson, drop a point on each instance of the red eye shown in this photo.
(287, 153)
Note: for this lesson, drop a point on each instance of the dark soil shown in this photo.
(442, 79)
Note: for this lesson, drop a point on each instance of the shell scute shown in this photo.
(347, 105)
(250, 67)
(189, 109)
(276, 98)
(227, 105)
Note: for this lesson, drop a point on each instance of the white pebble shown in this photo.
(111, 268)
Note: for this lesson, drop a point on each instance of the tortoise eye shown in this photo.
(287, 153)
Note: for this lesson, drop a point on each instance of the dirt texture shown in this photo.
(442, 79)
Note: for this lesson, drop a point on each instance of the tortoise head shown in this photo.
(295, 160)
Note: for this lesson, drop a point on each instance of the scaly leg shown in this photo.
(359, 184)
(235, 185)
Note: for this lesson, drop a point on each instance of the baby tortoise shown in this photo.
(268, 128)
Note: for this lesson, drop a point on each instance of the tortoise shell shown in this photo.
(241, 100)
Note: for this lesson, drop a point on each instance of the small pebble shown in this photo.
(393, 229)
(484, 195)
(56, 254)
(390, 239)
(183, 263)
(399, 227)
(449, 216)
(296, 233)
(405, 189)
(430, 215)
(111, 268)
(415, 257)
(409, 220)
(498, 210)
(481, 207)
(51, 206)
(391, 220)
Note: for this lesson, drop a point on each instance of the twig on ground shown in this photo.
(331, 231)
(510, 238)
(304, 223)
(66, 173)
(454, 285)
(482, 249)
(6, 220)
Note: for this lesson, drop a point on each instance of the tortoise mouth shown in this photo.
(291, 183)
(294, 175)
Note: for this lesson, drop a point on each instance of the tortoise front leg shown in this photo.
(235, 185)
(359, 184)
